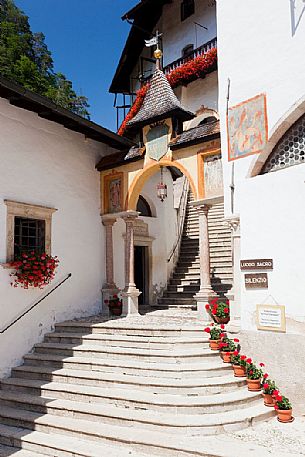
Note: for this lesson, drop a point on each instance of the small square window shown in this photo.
(187, 9)
(29, 235)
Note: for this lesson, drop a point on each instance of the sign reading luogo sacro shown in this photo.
(256, 281)
(271, 318)
(256, 264)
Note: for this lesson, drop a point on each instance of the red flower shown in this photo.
(235, 352)
(115, 296)
(222, 335)
(249, 360)
(214, 311)
(106, 301)
(226, 310)
(261, 364)
(222, 326)
(207, 307)
(251, 372)
(276, 407)
(265, 375)
(279, 398)
(236, 340)
(207, 330)
(265, 386)
(243, 357)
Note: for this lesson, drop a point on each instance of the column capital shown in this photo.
(108, 221)
(233, 222)
(130, 216)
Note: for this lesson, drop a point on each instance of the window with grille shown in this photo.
(290, 150)
(187, 9)
(29, 235)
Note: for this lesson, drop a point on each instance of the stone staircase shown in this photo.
(147, 385)
(185, 280)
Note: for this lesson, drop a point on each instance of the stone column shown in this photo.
(206, 292)
(234, 294)
(109, 288)
(131, 293)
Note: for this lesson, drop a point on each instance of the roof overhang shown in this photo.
(145, 16)
(178, 113)
(45, 108)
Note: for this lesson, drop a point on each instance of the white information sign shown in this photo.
(271, 317)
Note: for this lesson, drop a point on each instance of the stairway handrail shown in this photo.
(34, 305)
(182, 213)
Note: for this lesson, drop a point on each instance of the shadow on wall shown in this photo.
(297, 9)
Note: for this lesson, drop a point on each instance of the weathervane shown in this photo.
(154, 41)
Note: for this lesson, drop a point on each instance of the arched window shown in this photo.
(289, 151)
(143, 207)
(208, 120)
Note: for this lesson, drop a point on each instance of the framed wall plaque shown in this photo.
(256, 264)
(256, 281)
(271, 318)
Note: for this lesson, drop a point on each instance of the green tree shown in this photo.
(26, 59)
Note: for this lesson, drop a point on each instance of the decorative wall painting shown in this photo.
(213, 178)
(157, 142)
(113, 193)
(247, 128)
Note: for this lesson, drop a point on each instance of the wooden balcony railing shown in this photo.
(195, 53)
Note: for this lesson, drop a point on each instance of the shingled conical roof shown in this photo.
(159, 103)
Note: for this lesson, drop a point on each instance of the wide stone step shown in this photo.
(128, 341)
(133, 396)
(206, 368)
(168, 421)
(6, 451)
(125, 327)
(138, 436)
(176, 301)
(172, 387)
(152, 355)
(54, 445)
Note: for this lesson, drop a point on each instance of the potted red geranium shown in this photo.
(115, 305)
(219, 308)
(269, 388)
(283, 408)
(227, 347)
(239, 364)
(216, 333)
(254, 375)
(33, 270)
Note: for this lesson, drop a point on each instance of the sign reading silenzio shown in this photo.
(271, 317)
(256, 264)
(256, 281)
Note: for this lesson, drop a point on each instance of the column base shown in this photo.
(130, 298)
(108, 291)
(202, 298)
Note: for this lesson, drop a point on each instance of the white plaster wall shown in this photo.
(261, 52)
(45, 164)
(177, 34)
(163, 228)
(200, 93)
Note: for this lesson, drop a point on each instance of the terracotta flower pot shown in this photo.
(268, 400)
(222, 320)
(284, 415)
(214, 344)
(239, 371)
(115, 310)
(226, 356)
(254, 385)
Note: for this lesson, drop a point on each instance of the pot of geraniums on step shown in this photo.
(239, 364)
(254, 376)
(269, 388)
(227, 348)
(115, 305)
(216, 332)
(219, 308)
(283, 408)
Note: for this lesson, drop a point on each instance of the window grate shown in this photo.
(289, 151)
(29, 235)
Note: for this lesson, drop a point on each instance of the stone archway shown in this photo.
(144, 174)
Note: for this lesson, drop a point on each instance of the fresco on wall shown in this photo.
(157, 142)
(113, 193)
(247, 127)
(213, 182)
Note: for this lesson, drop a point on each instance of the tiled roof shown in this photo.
(133, 152)
(196, 134)
(159, 103)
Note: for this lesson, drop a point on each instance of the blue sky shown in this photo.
(86, 38)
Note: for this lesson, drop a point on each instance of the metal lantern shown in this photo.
(162, 188)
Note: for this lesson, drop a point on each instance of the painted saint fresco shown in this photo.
(247, 128)
(157, 142)
(115, 195)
